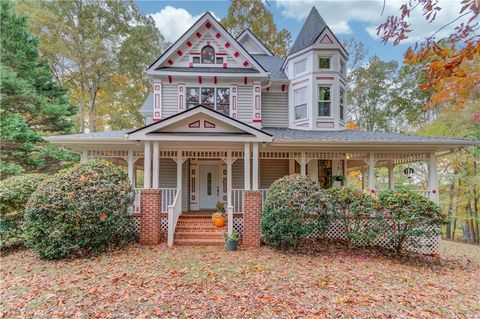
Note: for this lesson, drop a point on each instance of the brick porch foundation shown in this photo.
(252, 213)
(150, 205)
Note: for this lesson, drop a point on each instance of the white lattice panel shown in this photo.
(422, 245)
(164, 225)
(238, 225)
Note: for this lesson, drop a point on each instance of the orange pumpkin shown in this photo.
(219, 222)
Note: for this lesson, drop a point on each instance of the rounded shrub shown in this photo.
(14, 194)
(409, 217)
(295, 207)
(78, 211)
(356, 211)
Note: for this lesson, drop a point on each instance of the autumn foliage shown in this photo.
(79, 211)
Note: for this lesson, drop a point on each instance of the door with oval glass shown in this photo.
(209, 186)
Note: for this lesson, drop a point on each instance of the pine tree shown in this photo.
(32, 104)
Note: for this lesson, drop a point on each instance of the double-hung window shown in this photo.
(324, 101)
(342, 104)
(300, 103)
(215, 98)
(324, 63)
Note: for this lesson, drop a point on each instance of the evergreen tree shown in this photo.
(31, 102)
(253, 15)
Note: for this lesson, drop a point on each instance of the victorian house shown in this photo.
(226, 118)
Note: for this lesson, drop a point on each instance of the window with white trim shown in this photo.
(300, 103)
(342, 104)
(324, 63)
(300, 67)
(324, 101)
(217, 99)
(343, 68)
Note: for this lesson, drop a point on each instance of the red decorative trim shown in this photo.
(195, 124)
(169, 79)
(434, 191)
(227, 44)
(208, 43)
(268, 89)
(179, 52)
(198, 34)
(236, 54)
(218, 35)
(257, 120)
(189, 44)
(170, 61)
(224, 65)
(283, 87)
(207, 124)
(190, 64)
(325, 78)
(245, 80)
(208, 25)
(194, 53)
(245, 63)
(215, 80)
(156, 119)
(221, 53)
(199, 80)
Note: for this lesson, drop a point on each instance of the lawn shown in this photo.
(206, 282)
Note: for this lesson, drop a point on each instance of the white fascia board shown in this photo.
(165, 72)
(218, 137)
(194, 28)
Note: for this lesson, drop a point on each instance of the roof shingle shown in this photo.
(311, 30)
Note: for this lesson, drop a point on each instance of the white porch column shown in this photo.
(313, 170)
(371, 172)
(391, 181)
(432, 179)
(255, 167)
(229, 161)
(291, 166)
(179, 161)
(246, 166)
(156, 166)
(147, 165)
(303, 164)
(130, 169)
(84, 156)
(345, 171)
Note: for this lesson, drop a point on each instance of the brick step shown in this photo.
(204, 223)
(198, 235)
(199, 242)
(198, 228)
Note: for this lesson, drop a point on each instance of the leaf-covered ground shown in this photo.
(196, 282)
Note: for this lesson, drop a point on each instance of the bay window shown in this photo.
(324, 101)
(217, 99)
(300, 103)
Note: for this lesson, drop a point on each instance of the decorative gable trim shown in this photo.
(223, 36)
(157, 101)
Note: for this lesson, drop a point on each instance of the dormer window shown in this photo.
(324, 63)
(208, 55)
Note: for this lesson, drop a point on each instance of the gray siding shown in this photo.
(245, 103)
(169, 100)
(168, 173)
(237, 174)
(271, 170)
(274, 109)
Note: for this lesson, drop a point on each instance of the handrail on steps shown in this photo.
(174, 212)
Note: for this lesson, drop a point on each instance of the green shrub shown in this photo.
(295, 207)
(355, 210)
(409, 216)
(14, 194)
(79, 211)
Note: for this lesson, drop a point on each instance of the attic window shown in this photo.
(208, 55)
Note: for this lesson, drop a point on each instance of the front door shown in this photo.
(209, 188)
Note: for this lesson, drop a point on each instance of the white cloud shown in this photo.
(339, 15)
(173, 22)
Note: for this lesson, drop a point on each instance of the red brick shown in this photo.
(252, 213)
(150, 206)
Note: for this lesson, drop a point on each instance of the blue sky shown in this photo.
(347, 18)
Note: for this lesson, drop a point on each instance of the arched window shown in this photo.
(208, 55)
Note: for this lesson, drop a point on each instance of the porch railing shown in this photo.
(237, 199)
(166, 194)
(174, 212)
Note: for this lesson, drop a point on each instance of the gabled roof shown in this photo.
(205, 19)
(236, 130)
(249, 35)
(311, 30)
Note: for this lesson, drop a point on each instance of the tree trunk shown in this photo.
(454, 227)
(450, 209)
